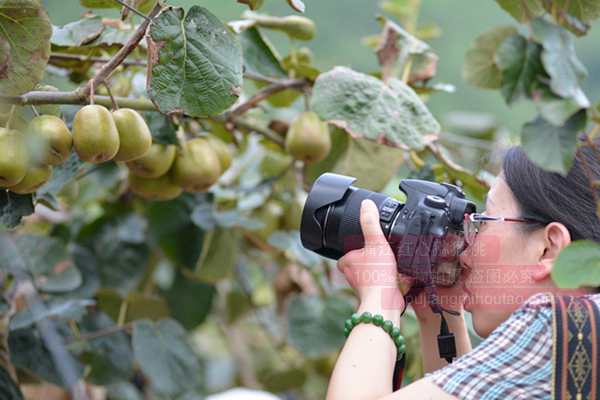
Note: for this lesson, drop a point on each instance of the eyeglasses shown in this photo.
(472, 224)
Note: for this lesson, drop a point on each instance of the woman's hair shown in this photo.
(549, 196)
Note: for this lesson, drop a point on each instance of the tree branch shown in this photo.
(39, 97)
(264, 94)
(266, 132)
(120, 55)
(111, 330)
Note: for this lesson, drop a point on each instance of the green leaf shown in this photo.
(367, 108)
(253, 4)
(554, 109)
(164, 356)
(109, 357)
(584, 10)
(77, 33)
(553, 147)
(259, 55)
(63, 174)
(522, 10)
(185, 290)
(69, 309)
(29, 353)
(13, 207)
(480, 67)
(120, 250)
(25, 32)
(560, 61)
(100, 4)
(195, 63)
(289, 242)
(163, 129)
(352, 157)
(578, 265)
(9, 389)
(42, 254)
(519, 61)
(168, 222)
(277, 381)
(397, 45)
(145, 306)
(217, 260)
(316, 325)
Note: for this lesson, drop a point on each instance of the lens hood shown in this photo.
(327, 189)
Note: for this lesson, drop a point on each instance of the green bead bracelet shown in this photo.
(377, 320)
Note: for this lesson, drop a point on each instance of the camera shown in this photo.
(425, 233)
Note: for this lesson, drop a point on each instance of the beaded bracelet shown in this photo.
(377, 320)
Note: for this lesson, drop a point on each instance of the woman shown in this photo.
(506, 287)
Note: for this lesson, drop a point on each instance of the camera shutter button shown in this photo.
(435, 202)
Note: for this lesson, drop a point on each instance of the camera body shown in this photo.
(425, 233)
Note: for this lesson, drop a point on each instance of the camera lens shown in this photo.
(331, 216)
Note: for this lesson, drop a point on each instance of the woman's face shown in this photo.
(503, 263)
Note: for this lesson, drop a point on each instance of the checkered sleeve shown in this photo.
(514, 362)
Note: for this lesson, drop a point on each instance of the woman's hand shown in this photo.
(371, 271)
(450, 298)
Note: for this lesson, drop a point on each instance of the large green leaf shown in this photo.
(9, 389)
(185, 290)
(522, 10)
(480, 67)
(168, 222)
(560, 61)
(118, 244)
(164, 356)
(67, 310)
(219, 255)
(259, 55)
(29, 353)
(77, 33)
(25, 32)
(367, 108)
(578, 265)
(519, 61)
(354, 157)
(13, 207)
(63, 174)
(316, 325)
(100, 4)
(583, 10)
(195, 63)
(109, 357)
(162, 128)
(553, 147)
(47, 260)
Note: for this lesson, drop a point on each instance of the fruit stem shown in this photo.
(35, 111)
(115, 106)
(11, 115)
(92, 90)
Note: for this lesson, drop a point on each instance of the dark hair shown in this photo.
(549, 196)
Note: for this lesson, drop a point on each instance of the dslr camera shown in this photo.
(425, 233)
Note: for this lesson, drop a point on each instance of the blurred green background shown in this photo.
(343, 23)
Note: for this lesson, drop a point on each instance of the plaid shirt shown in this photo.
(514, 362)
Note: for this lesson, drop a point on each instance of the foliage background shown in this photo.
(162, 307)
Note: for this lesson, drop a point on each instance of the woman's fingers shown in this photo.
(370, 225)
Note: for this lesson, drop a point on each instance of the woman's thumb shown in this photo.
(369, 223)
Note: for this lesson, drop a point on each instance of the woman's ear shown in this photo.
(556, 237)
